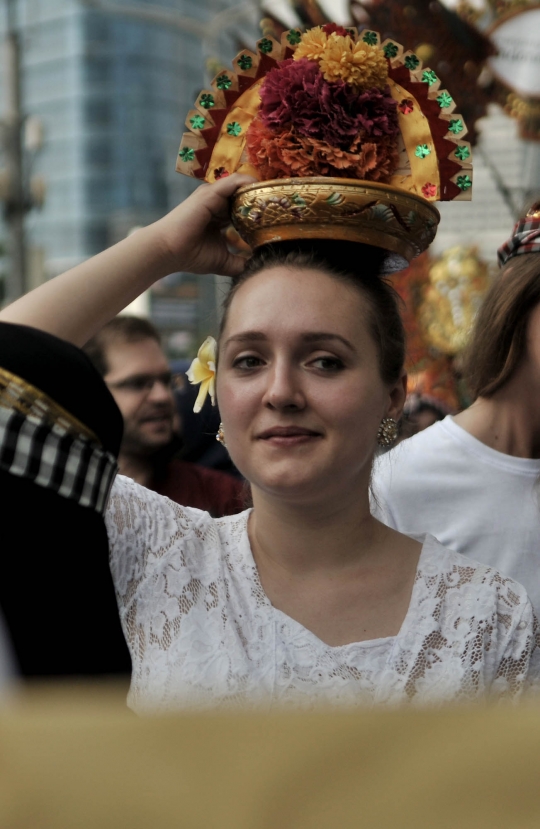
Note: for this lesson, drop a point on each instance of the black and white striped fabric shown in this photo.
(51, 456)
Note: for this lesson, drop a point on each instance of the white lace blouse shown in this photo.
(202, 632)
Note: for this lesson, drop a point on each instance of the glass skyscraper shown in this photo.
(112, 93)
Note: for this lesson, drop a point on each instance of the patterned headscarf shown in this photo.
(525, 237)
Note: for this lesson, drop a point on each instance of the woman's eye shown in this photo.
(247, 362)
(328, 363)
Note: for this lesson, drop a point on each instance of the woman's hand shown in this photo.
(192, 234)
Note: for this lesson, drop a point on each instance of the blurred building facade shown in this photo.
(112, 93)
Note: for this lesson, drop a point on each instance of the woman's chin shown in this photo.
(291, 484)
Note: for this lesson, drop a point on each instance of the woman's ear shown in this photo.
(397, 396)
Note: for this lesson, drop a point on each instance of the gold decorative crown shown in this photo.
(350, 137)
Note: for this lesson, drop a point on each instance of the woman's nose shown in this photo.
(284, 389)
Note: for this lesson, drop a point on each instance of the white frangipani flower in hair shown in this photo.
(203, 371)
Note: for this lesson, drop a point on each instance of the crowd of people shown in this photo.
(356, 576)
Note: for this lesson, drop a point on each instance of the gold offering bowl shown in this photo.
(335, 208)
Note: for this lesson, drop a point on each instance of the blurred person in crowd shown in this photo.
(60, 433)
(472, 480)
(128, 354)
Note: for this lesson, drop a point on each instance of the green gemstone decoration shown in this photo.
(390, 50)
(223, 82)
(294, 37)
(464, 182)
(444, 100)
(429, 77)
(412, 62)
(422, 151)
(197, 122)
(265, 45)
(245, 62)
(207, 101)
(462, 152)
(187, 154)
(234, 128)
(370, 38)
(455, 125)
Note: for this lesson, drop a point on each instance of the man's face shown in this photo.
(139, 379)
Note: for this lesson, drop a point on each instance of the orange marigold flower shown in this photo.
(287, 153)
(336, 58)
(359, 63)
(312, 44)
(370, 66)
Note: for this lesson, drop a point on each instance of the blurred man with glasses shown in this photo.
(127, 353)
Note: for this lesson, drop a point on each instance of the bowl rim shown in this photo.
(352, 183)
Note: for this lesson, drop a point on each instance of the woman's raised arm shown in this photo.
(76, 304)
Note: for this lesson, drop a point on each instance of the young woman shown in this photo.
(472, 480)
(306, 598)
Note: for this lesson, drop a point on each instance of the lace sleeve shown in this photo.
(519, 664)
(141, 525)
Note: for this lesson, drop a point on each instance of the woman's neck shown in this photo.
(329, 536)
(509, 421)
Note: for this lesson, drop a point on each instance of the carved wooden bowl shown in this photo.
(335, 208)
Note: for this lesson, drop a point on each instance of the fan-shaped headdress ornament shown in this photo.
(349, 137)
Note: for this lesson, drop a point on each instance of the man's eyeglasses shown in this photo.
(144, 383)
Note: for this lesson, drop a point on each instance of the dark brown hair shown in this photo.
(499, 336)
(124, 329)
(357, 265)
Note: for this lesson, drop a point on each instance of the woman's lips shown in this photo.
(288, 435)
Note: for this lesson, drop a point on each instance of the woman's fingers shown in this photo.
(233, 265)
(216, 196)
(191, 232)
(227, 186)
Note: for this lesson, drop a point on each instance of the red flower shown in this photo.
(296, 94)
(289, 153)
(333, 28)
(406, 106)
(429, 190)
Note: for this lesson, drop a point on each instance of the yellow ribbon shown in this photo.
(416, 131)
(228, 149)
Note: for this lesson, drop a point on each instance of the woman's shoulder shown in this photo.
(131, 500)
(153, 521)
(461, 575)
(470, 629)
(148, 532)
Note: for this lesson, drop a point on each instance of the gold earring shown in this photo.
(221, 435)
(388, 432)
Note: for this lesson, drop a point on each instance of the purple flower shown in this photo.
(296, 94)
(377, 112)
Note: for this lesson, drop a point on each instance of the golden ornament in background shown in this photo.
(534, 211)
(449, 302)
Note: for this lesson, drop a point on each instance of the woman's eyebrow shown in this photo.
(246, 336)
(323, 336)
(308, 337)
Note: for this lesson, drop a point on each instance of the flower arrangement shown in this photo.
(327, 111)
